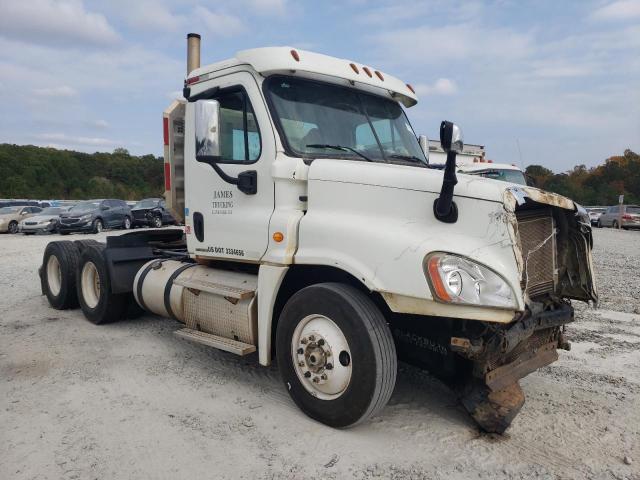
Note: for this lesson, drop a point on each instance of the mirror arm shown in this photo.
(444, 208)
(247, 181)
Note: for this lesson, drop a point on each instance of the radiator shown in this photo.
(537, 238)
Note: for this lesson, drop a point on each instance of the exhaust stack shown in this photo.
(193, 52)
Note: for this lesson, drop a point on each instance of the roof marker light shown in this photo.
(367, 71)
(411, 89)
(193, 80)
(295, 55)
(379, 75)
(354, 68)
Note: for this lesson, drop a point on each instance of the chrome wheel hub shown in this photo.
(321, 357)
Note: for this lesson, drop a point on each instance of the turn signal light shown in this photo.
(278, 237)
(434, 274)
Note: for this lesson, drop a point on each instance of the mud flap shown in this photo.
(492, 410)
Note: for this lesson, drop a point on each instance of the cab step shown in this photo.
(221, 343)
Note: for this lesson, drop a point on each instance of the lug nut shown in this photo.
(300, 351)
(307, 374)
(301, 364)
(321, 342)
(329, 366)
(316, 379)
(303, 341)
(323, 376)
(312, 338)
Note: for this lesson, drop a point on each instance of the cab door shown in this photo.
(223, 219)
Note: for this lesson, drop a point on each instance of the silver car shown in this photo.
(628, 218)
(44, 222)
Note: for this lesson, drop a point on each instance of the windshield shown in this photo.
(513, 176)
(53, 211)
(147, 203)
(323, 120)
(6, 210)
(82, 206)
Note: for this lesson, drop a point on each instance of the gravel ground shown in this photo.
(131, 401)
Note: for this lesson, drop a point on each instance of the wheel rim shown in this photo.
(98, 226)
(54, 275)
(127, 223)
(13, 227)
(90, 284)
(157, 222)
(321, 357)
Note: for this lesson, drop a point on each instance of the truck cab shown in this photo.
(317, 234)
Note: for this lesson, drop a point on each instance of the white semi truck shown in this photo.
(317, 236)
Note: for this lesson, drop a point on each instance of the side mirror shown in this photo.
(451, 137)
(207, 129)
(424, 145)
(444, 208)
(23, 213)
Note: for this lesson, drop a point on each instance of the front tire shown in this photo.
(13, 227)
(93, 284)
(156, 222)
(336, 354)
(614, 224)
(97, 226)
(126, 224)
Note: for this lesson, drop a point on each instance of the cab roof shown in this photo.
(287, 60)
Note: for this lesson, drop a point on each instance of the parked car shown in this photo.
(151, 212)
(19, 203)
(94, 216)
(595, 213)
(630, 217)
(10, 217)
(44, 222)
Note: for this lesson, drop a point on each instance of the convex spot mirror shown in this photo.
(451, 137)
(207, 129)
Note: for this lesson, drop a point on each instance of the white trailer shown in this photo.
(317, 235)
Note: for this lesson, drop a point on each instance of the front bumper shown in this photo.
(83, 226)
(38, 228)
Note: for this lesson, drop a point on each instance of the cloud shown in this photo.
(454, 43)
(219, 23)
(442, 86)
(269, 6)
(152, 15)
(99, 124)
(63, 91)
(54, 23)
(64, 139)
(620, 10)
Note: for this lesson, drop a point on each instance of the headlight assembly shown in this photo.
(459, 280)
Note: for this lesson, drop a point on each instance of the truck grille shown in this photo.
(538, 245)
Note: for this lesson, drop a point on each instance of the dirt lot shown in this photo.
(130, 400)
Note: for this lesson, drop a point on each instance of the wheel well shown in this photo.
(301, 276)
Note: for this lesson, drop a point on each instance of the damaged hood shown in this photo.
(430, 180)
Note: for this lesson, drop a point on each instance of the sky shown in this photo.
(554, 83)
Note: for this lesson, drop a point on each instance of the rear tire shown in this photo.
(599, 224)
(614, 224)
(58, 274)
(13, 227)
(93, 284)
(336, 354)
(126, 224)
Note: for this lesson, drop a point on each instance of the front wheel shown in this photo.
(13, 227)
(126, 224)
(156, 221)
(97, 226)
(336, 354)
(614, 224)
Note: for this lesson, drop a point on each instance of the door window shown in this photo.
(239, 133)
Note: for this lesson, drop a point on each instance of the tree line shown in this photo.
(27, 171)
(601, 185)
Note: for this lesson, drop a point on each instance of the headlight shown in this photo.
(84, 218)
(455, 279)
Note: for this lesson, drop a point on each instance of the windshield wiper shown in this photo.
(340, 147)
(410, 158)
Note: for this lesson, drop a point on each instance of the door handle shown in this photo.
(247, 181)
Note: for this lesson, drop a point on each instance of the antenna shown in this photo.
(520, 154)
